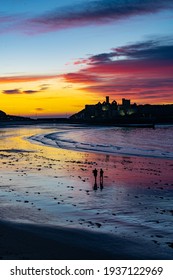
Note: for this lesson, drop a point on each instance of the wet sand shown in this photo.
(48, 195)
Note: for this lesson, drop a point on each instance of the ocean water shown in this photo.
(145, 142)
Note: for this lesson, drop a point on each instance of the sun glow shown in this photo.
(51, 98)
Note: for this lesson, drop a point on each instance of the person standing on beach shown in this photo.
(101, 177)
(95, 175)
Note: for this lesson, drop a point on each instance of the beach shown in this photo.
(51, 209)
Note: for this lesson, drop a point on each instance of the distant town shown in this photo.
(109, 113)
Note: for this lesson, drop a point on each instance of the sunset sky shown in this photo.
(57, 56)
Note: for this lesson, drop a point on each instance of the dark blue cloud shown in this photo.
(158, 49)
(152, 49)
(97, 12)
(93, 12)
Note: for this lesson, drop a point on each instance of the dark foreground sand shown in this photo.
(33, 242)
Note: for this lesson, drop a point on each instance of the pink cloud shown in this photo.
(143, 70)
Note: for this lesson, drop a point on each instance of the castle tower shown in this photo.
(126, 103)
(107, 99)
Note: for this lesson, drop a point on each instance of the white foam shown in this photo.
(132, 141)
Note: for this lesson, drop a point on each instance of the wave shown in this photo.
(110, 141)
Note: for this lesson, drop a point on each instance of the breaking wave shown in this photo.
(123, 141)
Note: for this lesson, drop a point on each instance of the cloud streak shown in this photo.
(18, 91)
(39, 109)
(95, 12)
(29, 78)
(10, 23)
(12, 91)
(155, 50)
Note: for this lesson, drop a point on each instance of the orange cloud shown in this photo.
(29, 78)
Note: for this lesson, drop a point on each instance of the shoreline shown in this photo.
(62, 121)
(63, 139)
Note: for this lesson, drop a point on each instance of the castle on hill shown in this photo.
(126, 112)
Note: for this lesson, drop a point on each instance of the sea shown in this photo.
(131, 141)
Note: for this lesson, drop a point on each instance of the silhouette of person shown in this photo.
(101, 177)
(95, 175)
